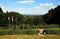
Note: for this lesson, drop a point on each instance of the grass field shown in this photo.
(30, 37)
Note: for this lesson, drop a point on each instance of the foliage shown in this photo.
(49, 26)
(18, 32)
(28, 22)
(53, 15)
(55, 31)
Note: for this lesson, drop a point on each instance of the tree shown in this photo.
(52, 17)
(1, 10)
(1, 17)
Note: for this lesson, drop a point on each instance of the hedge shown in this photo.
(15, 32)
(56, 32)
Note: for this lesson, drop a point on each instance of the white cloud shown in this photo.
(25, 1)
(39, 9)
(3, 8)
(35, 10)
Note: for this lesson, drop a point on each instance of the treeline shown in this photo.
(14, 18)
(22, 21)
(8, 15)
(53, 16)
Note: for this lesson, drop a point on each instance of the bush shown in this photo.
(49, 26)
(53, 31)
(15, 32)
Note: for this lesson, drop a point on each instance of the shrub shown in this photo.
(52, 31)
(15, 32)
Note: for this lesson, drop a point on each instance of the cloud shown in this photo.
(36, 10)
(3, 8)
(39, 9)
(25, 1)
(50, 5)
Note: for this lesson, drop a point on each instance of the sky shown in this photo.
(29, 7)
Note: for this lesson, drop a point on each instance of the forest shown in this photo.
(15, 20)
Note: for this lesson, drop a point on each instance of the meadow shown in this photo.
(30, 37)
(52, 33)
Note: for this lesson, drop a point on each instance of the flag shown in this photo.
(9, 18)
(12, 18)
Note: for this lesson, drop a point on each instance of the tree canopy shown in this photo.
(53, 16)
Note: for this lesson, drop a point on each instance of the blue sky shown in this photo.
(31, 7)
